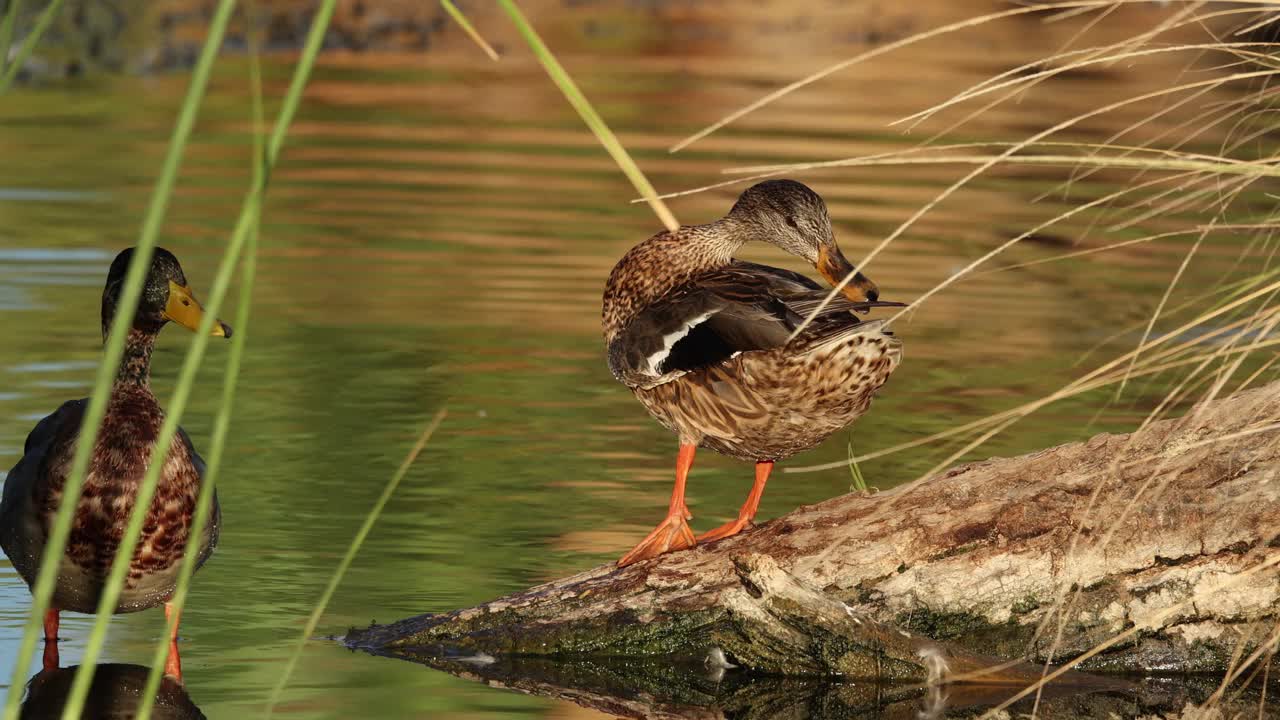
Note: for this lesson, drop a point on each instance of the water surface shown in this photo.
(439, 232)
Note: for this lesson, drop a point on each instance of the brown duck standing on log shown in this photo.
(704, 341)
(33, 488)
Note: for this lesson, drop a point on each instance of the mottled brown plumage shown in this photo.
(704, 341)
(33, 489)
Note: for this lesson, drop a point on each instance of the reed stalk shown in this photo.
(222, 422)
(372, 518)
(14, 65)
(589, 115)
(245, 230)
(129, 300)
(119, 573)
(131, 290)
(11, 13)
(469, 29)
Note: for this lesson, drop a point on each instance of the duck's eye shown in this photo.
(792, 222)
(186, 302)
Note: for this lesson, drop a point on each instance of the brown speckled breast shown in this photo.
(772, 404)
(109, 494)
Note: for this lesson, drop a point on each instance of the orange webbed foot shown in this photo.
(749, 508)
(726, 530)
(672, 534)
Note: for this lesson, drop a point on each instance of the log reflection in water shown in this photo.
(639, 688)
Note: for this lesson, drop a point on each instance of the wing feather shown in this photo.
(739, 308)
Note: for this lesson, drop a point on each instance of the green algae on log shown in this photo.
(1164, 538)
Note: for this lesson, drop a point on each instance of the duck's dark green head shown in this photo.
(165, 296)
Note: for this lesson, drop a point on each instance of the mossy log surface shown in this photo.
(1165, 537)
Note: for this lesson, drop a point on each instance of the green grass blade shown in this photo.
(217, 444)
(469, 29)
(307, 60)
(589, 115)
(222, 422)
(146, 489)
(857, 483)
(6, 31)
(186, 377)
(130, 293)
(314, 620)
(28, 44)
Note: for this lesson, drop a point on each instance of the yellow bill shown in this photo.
(185, 310)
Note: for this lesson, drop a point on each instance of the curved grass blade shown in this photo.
(293, 96)
(877, 51)
(314, 620)
(469, 29)
(130, 293)
(186, 377)
(204, 505)
(857, 483)
(589, 115)
(1100, 377)
(222, 422)
(146, 489)
(1164, 300)
(28, 44)
(1158, 618)
(6, 30)
(951, 189)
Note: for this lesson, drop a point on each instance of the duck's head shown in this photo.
(793, 217)
(166, 296)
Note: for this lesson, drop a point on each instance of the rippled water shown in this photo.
(439, 232)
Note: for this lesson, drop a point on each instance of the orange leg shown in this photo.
(173, 665)
(50, 660)
(748, 511)
(673, 533)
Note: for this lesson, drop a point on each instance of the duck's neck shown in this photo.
(698, 248)
(719, 241)
(135, 363)
(665, 261)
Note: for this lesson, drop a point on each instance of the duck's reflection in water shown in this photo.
(114, 695)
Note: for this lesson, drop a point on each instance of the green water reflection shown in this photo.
(439, 233)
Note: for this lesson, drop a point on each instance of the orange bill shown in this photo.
(835, 268)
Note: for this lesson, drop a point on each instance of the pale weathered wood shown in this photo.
(1177, 528)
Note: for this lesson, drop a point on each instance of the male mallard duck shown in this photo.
(33, 488)
(703, 341)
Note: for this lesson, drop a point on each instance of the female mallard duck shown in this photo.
(704, 341)
(33, 488)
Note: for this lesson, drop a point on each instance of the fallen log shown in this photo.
(1160, 546)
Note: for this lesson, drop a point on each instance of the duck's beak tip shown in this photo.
(833, 266)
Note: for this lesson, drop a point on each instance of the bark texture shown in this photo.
(1165, 537)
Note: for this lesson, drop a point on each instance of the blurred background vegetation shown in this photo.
(439, 230)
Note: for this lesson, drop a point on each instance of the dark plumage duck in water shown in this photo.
(33, 488)
(704, 341)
